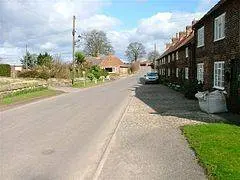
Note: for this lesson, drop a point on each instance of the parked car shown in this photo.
(151, 77)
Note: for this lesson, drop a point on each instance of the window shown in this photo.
(219, 75)
(200, 72)
(169, 72)
(172, 56)
(200, 37)
(169, 58)
(177, 70)
(186, 52)
(164, 60)
(219, 27)
(186, 73)
(177, 55)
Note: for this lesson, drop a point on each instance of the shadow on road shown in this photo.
(168, 102)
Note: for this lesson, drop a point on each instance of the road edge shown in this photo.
(107, 149)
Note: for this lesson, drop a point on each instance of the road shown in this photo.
(61, 137)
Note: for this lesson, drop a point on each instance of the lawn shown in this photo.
(88, 84)
(27, 96)
(218, 148)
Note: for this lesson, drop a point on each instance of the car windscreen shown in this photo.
(151, 74)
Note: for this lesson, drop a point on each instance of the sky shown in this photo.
(46, 25)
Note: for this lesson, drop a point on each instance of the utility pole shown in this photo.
(26, 63)
(155, 51)
(73, 48)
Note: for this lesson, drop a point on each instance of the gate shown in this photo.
(235, 86)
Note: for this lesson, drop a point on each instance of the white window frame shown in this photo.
(200, 72)
(169, 72)
(186, 72)
(177, 74)
(173, 57)
(219, 27)
(186, 52)
(219, 75)
(200, 37)
(169, 58)
(177, 55)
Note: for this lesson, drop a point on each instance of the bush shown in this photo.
(135, 66)
(90, 76)
(97, 72)
(191, 88)
(28, 74)
(5, 70)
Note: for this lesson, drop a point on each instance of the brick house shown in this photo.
(110, 63)
(177, 62)
(217, 50)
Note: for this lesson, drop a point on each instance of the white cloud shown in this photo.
(47, 25)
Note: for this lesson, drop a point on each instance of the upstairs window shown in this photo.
(177, 55)
(173, 56)
(186, 52)
(219, 27)
(200, 37)
(169, 58)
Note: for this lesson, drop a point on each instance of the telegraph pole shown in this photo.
(155, 51)
(73, 48)
(26, 58)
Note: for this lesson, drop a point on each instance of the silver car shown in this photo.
(151, 77)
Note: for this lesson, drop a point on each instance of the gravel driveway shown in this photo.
(149, 143)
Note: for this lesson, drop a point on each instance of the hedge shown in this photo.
(5, 70)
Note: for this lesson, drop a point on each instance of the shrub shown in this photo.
(98, 72)
(90, 76)
(135, 66)
(28, 74)
(5, 70)
(191, 88)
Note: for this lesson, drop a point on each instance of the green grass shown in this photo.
(88, 84)
(218, 149)
(21, 97)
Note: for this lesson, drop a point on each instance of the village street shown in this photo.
(61, 137)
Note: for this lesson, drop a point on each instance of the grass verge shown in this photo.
(29, 95)
(218, 148)
(88, 84)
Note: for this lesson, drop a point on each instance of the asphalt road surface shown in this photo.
(61, 137)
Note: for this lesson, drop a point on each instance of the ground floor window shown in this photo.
(109, 69)
(169, 71)
(219, 75)
(186, 73)
(200, 72)
(177, 70)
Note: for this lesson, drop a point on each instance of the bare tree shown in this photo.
(96, 43)
(134, 51)
(153, 55)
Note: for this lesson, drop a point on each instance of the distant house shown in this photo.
(217, 37)
(15, 69)
(110, 63)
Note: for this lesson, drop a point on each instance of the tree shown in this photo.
(96, 43)
(44, 59)
(135, 50)
(79, 58)
(29, 60)
(153, 55)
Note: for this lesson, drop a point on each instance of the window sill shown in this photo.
(200, 46)
(215, 40)
(218, 88)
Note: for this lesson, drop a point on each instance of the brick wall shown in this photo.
(223, 50)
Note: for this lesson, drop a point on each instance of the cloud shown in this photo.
(158, 29)
(47, 26)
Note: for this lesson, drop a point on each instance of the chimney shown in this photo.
(174, 40)
(177, 36)
(188, 30)
(182, 34)
(168, 45)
